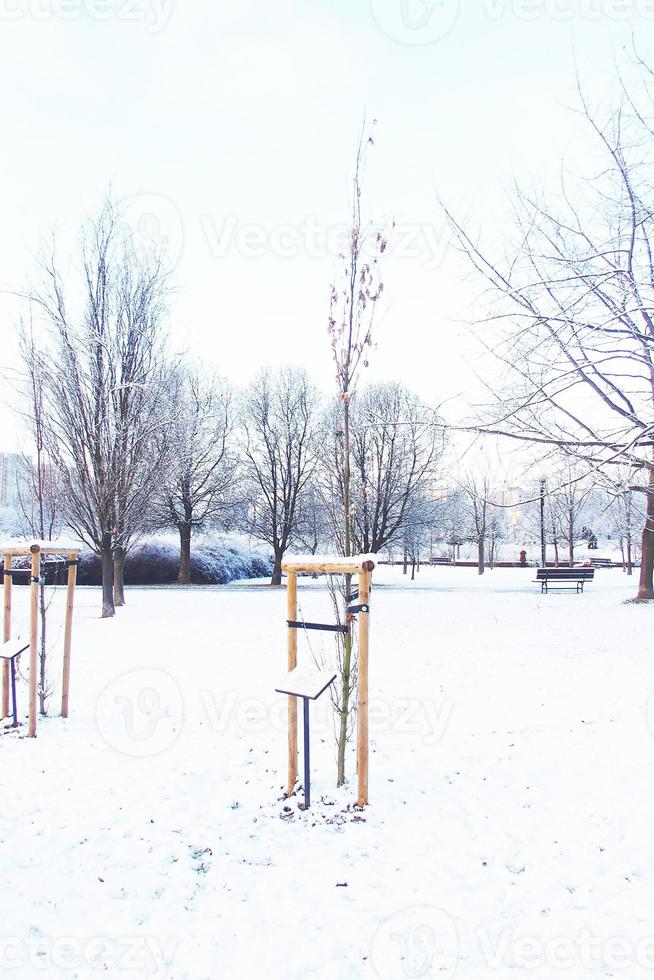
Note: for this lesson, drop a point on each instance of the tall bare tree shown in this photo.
(199, 486)
(354, 299)
(104, 388)
(572, 304)
(280, 424)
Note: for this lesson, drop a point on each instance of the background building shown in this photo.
(9, 465)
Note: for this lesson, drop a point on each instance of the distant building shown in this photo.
(9, 467)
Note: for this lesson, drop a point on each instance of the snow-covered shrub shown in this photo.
(156, 562)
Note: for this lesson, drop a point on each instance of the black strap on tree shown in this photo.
(326, 627)
(353, 610)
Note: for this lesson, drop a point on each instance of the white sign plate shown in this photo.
(304, 682)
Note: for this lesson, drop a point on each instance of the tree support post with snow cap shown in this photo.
(7, 633)
(68, 631)
(291, 605)
(35, 581)
(362, 703)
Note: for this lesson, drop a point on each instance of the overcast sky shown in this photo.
(231, 127)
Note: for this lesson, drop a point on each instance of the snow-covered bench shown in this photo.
(564, 578)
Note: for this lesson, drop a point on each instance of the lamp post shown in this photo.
(543, 558)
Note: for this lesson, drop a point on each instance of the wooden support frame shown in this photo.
(291, 605)
(6, 632)
(362, 566)
(35, 551)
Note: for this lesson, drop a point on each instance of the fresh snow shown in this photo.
(511, 807)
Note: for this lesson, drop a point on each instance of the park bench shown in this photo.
(564, 578)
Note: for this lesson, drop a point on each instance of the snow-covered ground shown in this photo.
(509, 830)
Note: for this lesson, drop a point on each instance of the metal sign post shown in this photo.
(308, 685)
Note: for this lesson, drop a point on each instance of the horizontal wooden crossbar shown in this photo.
(328, 565)
(44, 547)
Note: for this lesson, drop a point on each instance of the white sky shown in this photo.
(226, 120)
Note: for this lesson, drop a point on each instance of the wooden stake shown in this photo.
(7, 636)
(291, 600)
(362, 708)
(68, 632)
(34, 634)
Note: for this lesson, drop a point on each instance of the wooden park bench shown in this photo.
(564, 578)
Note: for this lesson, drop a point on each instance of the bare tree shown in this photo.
(624, 512)
(198, 488)
(476, 490)
(572, 306)
(354, 299)
(450, 521)
(416, 536)
(104, 388)
(279, 448)
(569, 504)
(313, 531)
(395, 451)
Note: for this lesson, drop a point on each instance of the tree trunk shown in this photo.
(106, 554)
(480, 556)
(277, 569)
(405, 563)
(119, 576)
(184, 574)
(646, 585)
(630, 565)
(571, 543)
(346, 670)
(413, 570)
(556, 553)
